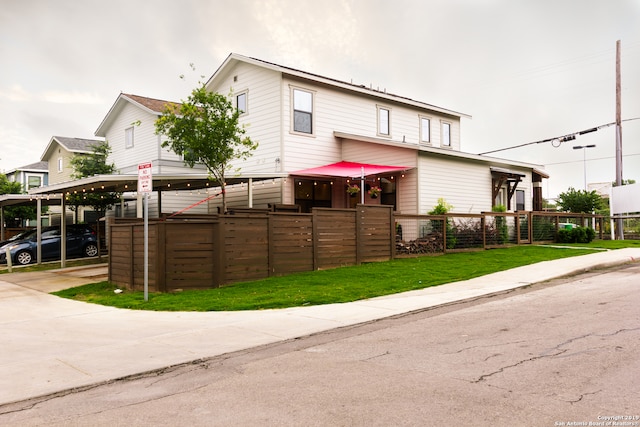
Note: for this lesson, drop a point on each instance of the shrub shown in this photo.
(576, 235)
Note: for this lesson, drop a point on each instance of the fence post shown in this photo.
(359, 212)
(161, 256)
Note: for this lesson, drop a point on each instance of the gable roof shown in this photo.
(33, 167)
(150, 105)
(72, 145)
(235, 58)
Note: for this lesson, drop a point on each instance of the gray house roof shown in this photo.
(33, 167)
(73, 145)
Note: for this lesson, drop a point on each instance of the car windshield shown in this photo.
(22, 236)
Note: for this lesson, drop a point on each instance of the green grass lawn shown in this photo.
(337, 285)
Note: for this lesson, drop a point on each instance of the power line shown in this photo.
(558, 139)
(590, 160)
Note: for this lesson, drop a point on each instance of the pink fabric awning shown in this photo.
(349, 170)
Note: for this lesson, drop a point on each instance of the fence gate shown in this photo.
(524, 227)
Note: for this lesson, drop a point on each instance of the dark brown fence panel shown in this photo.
(138, 257)
(121, 255)
(334, 236)
(191, 255)
(290, 243)
(246, 248)
(375, 233)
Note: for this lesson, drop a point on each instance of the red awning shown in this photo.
(349, 170)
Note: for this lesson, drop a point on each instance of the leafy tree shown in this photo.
(579, 201)
(204, 129)
(16, 214)
(86, 165)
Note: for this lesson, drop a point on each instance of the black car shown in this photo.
(81, 242)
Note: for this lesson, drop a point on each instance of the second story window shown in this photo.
(128, 137)
(34, 181)
(384, 121)
(425, 129)
(60, 164)
(241, 102)
(446, 134)
(302, 111)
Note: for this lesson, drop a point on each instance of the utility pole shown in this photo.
(619, 222)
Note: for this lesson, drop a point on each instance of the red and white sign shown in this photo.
(145, 180)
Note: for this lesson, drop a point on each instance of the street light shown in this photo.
(584, 159)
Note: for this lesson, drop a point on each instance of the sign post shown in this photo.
(145, 186)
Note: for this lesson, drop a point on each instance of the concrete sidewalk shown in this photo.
(50, 344)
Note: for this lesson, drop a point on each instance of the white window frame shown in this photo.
(445, 138)
(29, 176)
(380, 110)
(60, 164)
(128, 137)
(244, 93)
(425, 139)
(293, 90)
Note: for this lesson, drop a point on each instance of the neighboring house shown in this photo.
(30, 176)
(306, 125)
(129, 126)
(60, 151)
(58, 155)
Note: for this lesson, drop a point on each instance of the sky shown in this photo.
(524, 70)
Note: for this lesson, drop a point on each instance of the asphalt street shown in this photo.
(563, 352)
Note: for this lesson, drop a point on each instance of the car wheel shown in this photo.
(91, 250)
(24, 257)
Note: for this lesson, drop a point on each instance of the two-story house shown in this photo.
(326, 134)
(129, 126)
(317, 136)
(58, 154)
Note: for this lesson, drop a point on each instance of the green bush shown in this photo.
(576, 235)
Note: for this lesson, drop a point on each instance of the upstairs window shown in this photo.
(302, 111)
(425, 129)
(384, 121)
(34, 181)
(128, 137)
(60, 164)
(241, 102)
(446, 134)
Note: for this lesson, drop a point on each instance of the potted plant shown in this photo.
(353, 190)
(374, 192)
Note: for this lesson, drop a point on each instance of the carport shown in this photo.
(54, 194)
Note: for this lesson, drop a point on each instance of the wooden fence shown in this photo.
(211, 251)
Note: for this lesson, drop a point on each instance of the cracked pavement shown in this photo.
(556, 352)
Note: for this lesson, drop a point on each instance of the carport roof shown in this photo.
(161, 182)
(26, 199)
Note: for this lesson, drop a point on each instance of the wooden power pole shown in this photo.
(619, 222)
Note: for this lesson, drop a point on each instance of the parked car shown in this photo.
(15, 237)
(81, 242)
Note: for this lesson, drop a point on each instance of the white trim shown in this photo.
(379, 130)
(421, 117)
(292, 89)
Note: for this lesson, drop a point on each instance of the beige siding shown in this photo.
(364, 152)
(262, 119)
(55, 176)
(264, 193)
(466, 185)
(146, 144)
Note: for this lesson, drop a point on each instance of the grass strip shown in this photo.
(338, 285)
